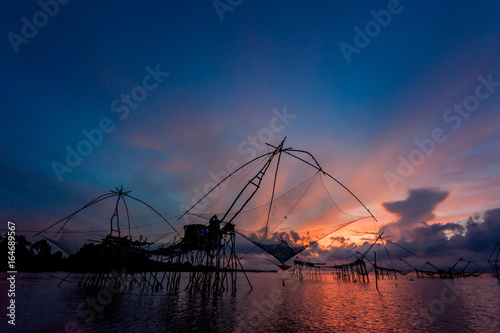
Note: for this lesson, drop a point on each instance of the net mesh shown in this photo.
(293, 207)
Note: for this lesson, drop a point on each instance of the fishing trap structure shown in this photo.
(285, 201)
(307, 270)
(284, 196)
(119, 259)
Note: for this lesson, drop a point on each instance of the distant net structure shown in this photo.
(385, 259)
(355, 268)
(283, 202)
(354, 271)
(493, 261)
(307, 269)
(121, 257)
(69, 232)
(458, 270)
(422, 268)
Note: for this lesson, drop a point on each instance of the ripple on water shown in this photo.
(324, 306)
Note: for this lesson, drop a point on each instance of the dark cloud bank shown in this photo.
(472, 239)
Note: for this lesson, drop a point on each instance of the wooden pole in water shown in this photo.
(376, 273)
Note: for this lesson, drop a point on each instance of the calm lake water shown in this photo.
(430, 305)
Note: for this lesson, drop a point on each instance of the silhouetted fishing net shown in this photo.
(281, 250)
(89, 223)
(68, 242)
(285, 203)
(285, 244)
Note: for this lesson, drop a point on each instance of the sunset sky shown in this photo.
(400, 101)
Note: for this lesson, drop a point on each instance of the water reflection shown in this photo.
(195, 312)
(326, 305)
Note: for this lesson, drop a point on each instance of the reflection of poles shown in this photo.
(497, 273)
(376, 272)
(494, 264)
(364, 271)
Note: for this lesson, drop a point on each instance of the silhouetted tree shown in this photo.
(40, 249)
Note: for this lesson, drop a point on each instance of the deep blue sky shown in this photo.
(225, 78)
